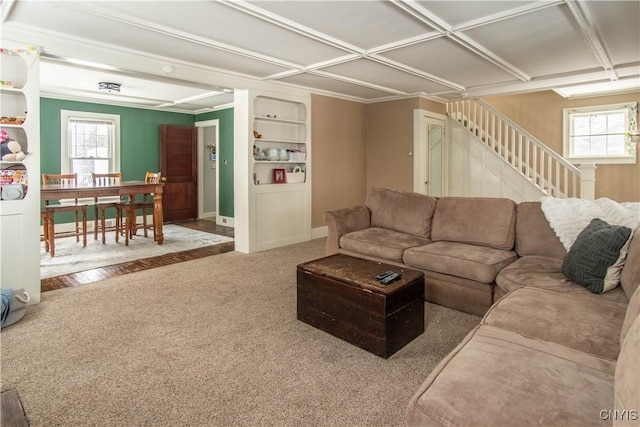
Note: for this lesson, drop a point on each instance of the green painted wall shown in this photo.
(139, 140)
(139, 134)
(225, 152)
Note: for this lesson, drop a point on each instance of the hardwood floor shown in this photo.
(96, 274)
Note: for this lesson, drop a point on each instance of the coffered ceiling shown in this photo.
(189, 55)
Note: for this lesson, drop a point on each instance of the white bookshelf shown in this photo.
(20, 219)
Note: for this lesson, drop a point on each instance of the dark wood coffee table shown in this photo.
(340, 295)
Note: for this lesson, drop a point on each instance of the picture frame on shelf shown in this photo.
(279, 176)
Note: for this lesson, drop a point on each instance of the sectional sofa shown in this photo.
(547, 351)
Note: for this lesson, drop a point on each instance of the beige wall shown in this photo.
(540, 114)
(339, 155)
(358, 146)
(389, 140)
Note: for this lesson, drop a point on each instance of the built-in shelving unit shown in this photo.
(276, 204)
(279, 137)
(20, 180)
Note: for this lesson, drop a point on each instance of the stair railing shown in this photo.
(551, 173)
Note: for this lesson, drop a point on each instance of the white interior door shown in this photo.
(429, 153)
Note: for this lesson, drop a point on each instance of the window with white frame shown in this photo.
(599, 134)
(90, 143)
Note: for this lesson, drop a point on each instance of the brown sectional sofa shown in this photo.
(459, 243)
(547, 351)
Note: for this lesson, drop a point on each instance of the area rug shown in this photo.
(209, 342)
(72, 257)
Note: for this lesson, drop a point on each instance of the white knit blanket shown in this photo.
(568, 217)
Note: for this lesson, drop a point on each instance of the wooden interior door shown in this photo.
(179, 167)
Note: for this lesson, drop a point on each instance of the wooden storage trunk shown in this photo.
(340, 295)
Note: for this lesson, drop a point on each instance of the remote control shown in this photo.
(383, 275)
(390, 278)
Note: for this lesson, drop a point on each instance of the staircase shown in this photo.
(545, 169)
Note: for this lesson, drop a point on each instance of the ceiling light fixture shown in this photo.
(109, 87)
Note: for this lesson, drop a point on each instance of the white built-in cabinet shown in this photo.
(20, 204)
(272, 156)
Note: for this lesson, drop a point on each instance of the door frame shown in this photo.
(201, 164)
(420, 150)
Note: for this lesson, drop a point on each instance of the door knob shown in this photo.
(164, 178)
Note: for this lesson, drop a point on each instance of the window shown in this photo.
(90, 143)
(597, 134)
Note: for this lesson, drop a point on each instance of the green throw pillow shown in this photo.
(597, 256)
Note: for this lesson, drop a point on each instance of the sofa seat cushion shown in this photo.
(380, 243)
(479, 263)
(545, 272)
(573, 320)
(500, 378)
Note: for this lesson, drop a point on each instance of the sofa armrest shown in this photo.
(343, 221)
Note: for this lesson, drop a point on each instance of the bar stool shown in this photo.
(47, 215)
(100, 207)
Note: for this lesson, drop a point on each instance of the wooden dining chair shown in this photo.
(49, 211)
(101, 206)
(146, 203)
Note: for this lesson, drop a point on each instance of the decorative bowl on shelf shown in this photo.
(273, 154)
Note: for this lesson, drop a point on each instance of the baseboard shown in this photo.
(319, 232)
(227, 221)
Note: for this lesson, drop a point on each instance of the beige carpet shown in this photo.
(208, 342)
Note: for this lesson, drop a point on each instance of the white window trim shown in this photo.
(65, 115)
(630, 158)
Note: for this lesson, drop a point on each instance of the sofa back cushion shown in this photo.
(534, 235)
(630, 276)
(484, 221)
(402, 211)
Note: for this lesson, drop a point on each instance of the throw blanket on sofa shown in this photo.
(568, 217)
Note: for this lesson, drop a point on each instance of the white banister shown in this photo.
(552, 174)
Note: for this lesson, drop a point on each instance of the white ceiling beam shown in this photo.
(287, 24)
(507, 14)
(172, 32)
(581, 14)
(356, 82)
(410, 70)
(6, 7)
(405, 43)
(428, 18)
(545, 83)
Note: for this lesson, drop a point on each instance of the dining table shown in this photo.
(125, 189)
